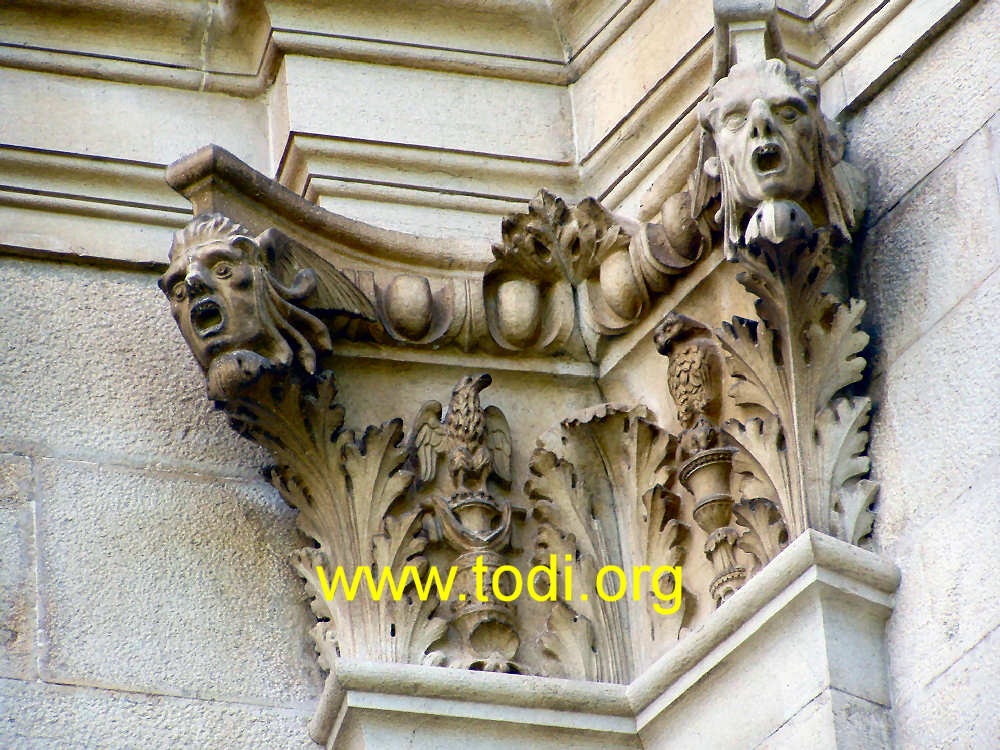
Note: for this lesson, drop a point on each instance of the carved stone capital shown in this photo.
(761, 442)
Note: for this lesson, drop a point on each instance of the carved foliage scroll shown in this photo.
(794, 363)
(604, 497)
(614, 267)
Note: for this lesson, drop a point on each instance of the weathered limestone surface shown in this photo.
(946, 606)
(833, 719)
(899, 138)
(934, 246)
(936, 392)
(79, 379)
(120, 117)
(17, 567)
(162, 557)
(59, 717)
(592, 96)
(931, 268)
(958, 707)
(197, 597)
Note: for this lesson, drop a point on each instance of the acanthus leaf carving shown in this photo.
(570, 529)
(413, 623)
(345, 490)
(844, 440)
(667, 542)
(766, 534)
(606, 501)
(613, 266)
(569, 644)
(802, 351)
(853, 508)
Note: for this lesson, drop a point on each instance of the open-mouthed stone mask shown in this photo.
(213, 297)
(766, 129)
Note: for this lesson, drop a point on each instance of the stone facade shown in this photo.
(147, 592)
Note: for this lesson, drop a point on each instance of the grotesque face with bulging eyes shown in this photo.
(240, 320)
(211, 286)
(766, 129)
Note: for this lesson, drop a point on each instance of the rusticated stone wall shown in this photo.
(145, 594)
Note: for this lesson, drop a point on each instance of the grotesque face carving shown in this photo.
(766, 129)
(235, 316)
(212, 296)
(765, 139)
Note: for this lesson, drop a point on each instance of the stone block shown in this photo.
(443, 110)
(35, 716)
(784, 663)
(514, 29)
(17, 567)
(822, 632)
(994, 143)
(898, 138)
(947, 600)
(95, 369)
(44, 227)
(633, 67)
(959, 709)
(171, 584)
(931, 436)
(833, 720)
(383, 728)
(411, 211)
(929, 251)
(89, 116)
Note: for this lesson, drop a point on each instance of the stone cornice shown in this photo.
(644, 157)
(819, 36)
(857, 47)
(211, 175)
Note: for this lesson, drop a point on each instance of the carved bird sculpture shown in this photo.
(475, 441)
(692, 375)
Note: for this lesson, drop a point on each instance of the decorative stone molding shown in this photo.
(603, 496)
(766, 445)
(109, 198)
(614, 266)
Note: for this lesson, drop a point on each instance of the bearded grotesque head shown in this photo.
(765, 139)
(237, 318)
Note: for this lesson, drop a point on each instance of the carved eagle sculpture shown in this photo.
(475, 441)
(692, 375)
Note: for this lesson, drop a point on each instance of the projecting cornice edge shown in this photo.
(212, 175)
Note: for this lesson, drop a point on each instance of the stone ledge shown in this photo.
(854, 57)
(823, 598)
